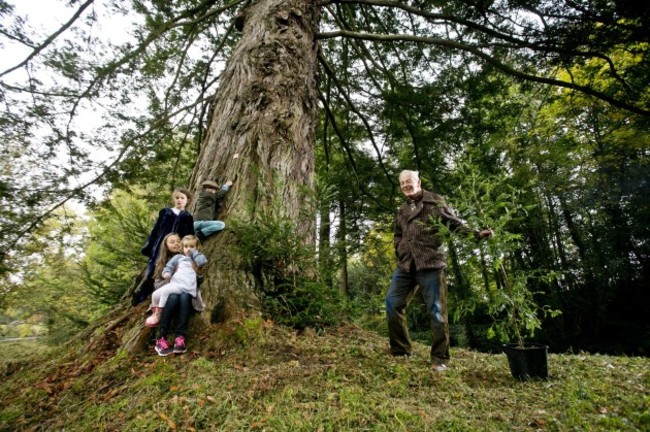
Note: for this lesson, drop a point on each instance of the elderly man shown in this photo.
(421, 261)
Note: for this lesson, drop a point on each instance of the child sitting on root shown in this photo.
(179, 307)
(181, 271)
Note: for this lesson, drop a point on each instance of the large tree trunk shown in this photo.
(265, 110)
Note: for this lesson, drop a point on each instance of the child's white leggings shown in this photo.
(160, 296)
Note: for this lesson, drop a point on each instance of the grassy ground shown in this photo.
(277, 380)
(16, 351)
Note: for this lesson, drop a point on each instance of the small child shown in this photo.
(208, 207)
(181, 271)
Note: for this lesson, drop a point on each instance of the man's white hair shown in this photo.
(414, 174)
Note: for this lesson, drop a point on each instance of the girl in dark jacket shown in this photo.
(170, 220)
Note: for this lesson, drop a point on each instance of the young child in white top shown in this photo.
(181, 272)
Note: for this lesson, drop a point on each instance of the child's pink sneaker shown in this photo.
(162, 347)
(179, 345)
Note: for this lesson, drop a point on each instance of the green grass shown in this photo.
(20, 350)
(342, 380)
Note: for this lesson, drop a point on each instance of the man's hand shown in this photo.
(166, 276)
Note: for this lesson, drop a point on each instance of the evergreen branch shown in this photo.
(177, 21)
(354, 109)
(106, 171)
(18, 39)
(546, 46)
(346, 147)
(339, 133)
(489, 59)
(393, 80)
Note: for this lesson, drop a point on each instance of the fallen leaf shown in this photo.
(169, 421)
(258, 424)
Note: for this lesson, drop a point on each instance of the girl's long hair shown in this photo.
(163, 256)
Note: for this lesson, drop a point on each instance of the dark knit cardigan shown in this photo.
(167, 222)
(417, 239)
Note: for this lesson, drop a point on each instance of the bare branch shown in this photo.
(37, 220)
(51, 38)
(354, 109)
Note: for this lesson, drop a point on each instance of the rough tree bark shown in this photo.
(265, 110)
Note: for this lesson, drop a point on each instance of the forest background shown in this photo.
(531, 118)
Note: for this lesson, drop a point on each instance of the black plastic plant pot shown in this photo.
(529, 362)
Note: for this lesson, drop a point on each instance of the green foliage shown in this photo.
(272, 249)
(507, 290)
(78, 267)
(50, 285)
(116, 232)
(307, 304)
(371, 268)
(20, 329)
(516, 312)
(584, 164)
(248, 332)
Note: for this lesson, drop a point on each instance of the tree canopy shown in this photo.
(157, 82)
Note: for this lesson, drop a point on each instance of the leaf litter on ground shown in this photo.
(342, 379)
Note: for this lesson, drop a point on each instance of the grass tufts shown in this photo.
(338, 380)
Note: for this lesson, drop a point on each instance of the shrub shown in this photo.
(284, 268)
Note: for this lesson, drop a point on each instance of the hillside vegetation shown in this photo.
(272, 379)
